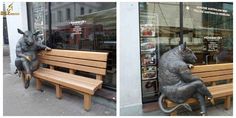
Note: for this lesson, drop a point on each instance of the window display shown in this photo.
(147, 30)
(207, 30)
(149, 54)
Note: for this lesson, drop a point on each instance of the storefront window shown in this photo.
(208, 31)
(38, 18)
(83, 26)
(159, 32)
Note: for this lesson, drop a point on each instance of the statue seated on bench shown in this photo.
(26, 55)
(176, 81)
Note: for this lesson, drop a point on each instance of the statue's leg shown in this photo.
(201, 100)
(187, 90)
(34, 65)
(28, 72)
(26, 65)
(18, 64)
(19, 67)
(202, 89)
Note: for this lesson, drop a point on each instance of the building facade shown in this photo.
(206, 27)
(69, 25)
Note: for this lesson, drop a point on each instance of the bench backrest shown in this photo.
(214, 72)
(92, 62)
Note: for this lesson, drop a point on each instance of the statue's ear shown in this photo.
(36, 33)
(20, 31)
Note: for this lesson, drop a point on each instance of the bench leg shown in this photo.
(99, 77)
(38, 84)
(87, 102)
(58, 92)
(227, 103)
(100, 86)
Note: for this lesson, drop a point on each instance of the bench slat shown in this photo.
(71, 76)
(214, 73)
(216, 91)
(74, 61)
(217, 78)
(99, 56)
(171, 104)
(58, 80)
(76, 67)
(212, 67)
(221, 87)
(71, 81)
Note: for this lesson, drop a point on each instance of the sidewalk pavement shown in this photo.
(18, 101)
(152, 109)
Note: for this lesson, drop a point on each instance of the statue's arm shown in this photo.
(40, 46)
(186, 75)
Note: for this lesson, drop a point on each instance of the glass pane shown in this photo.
(88, 26)
(38, 19)
(208, 31)
(158, 33)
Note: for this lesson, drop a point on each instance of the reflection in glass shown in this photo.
(88, 26)
(208, 31)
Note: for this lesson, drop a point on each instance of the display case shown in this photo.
(149, 54)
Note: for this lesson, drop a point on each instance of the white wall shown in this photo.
(14, 22)
(130, 78)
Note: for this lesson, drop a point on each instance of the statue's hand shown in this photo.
(190, 66)
(28, 58)
(48, 49)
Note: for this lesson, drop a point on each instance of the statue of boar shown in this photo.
(176, 81)
(26, 55)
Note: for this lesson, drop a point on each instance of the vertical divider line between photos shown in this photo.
(118, 58)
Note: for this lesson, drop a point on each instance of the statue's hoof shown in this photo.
(190, 66)
(28, 76)
(19, 73)
(16, 71)
(27, 83)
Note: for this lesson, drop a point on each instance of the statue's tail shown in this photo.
(172, 109)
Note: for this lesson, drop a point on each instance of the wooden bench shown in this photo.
(83, 61)
(218, 79)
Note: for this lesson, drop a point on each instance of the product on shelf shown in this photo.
(148, 59)
(147, 30)
(149, 72)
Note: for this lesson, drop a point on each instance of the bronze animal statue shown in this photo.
(26, 60)
(176, 81)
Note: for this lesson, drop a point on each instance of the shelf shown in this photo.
(151, 98)
(148, 36)
(148, 65)
(150, 94)
(149, 79)
(148, 52)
